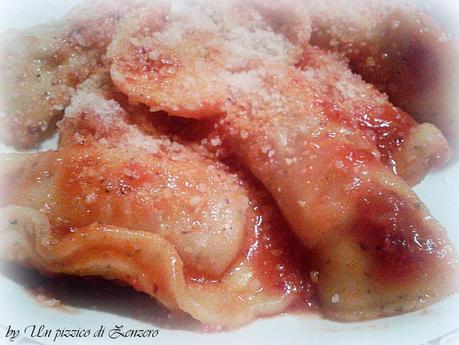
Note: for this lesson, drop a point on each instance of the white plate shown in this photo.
(91, 308)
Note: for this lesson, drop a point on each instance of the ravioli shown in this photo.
(136, 182)
(397, 47)
(116, 203)
(41, 67)
(377, 249)
(219, 162)
(302, 139)
(172, 57)
(197, 84)
(410, 149)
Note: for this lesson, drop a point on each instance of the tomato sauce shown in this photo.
(389, 126)
(395, 234)
(276, 257)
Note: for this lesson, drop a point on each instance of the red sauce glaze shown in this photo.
(276, 257)
(60, 228)
(388, 126)
(76, 175)
(134, 174)
(392, 230)
(351, 156)
(335, 114)
(85, 173)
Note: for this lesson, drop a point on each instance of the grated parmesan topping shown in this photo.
(110, 115)
(201, 51)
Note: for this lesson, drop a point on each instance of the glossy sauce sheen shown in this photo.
(77, 178)
(386, 126)
(335, 138)
(277, 258)
(391, 230)
(348, 100)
